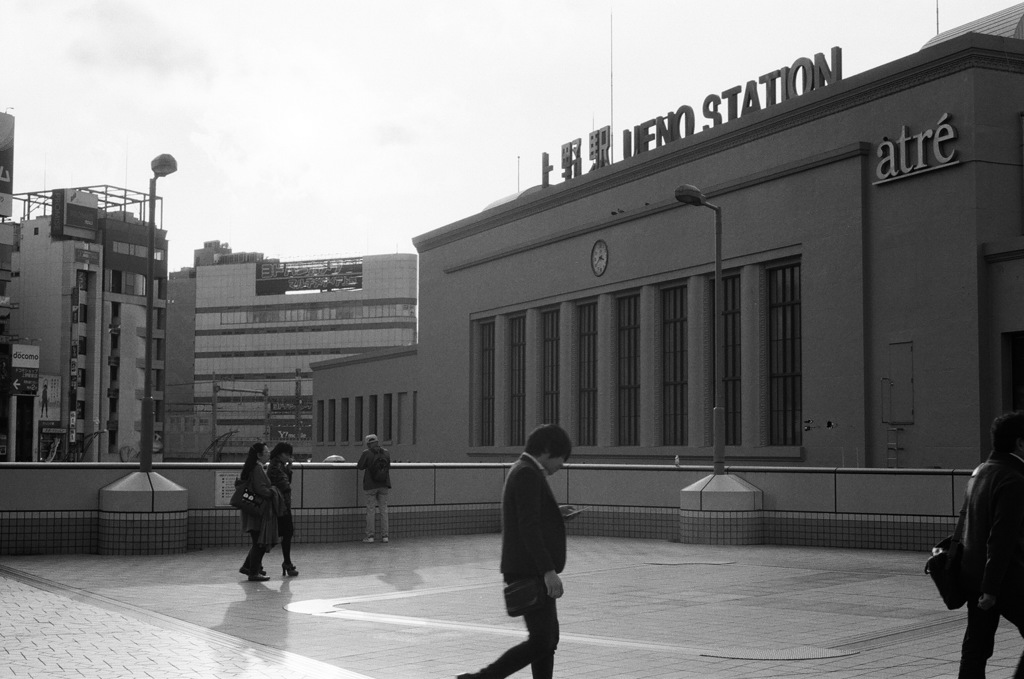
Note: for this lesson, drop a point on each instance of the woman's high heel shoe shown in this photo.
(288, 569)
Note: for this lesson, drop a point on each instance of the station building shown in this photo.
(873, 279)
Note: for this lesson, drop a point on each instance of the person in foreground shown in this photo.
(252, 471)
(279, 471)
(532, 545)
(992, 566)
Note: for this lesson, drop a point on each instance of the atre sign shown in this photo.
(910, 155)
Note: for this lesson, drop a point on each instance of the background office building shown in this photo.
(257, 325)
(873, 283)
(79, 280)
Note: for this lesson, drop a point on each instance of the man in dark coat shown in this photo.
(376, 485)
(992, 569)
(533, 545)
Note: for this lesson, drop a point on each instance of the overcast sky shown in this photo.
(311, 128)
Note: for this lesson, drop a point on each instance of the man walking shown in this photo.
(376, 485)
(992, 569)
(532, 545)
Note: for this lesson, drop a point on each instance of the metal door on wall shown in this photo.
(898, 386)
(898, 399)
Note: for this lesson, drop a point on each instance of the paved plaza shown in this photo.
(431, 607)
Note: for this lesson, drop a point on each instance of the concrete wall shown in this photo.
(55, 508)
(904, 492)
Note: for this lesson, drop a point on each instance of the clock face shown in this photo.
(599, 257)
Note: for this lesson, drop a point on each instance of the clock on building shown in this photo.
(599, 257)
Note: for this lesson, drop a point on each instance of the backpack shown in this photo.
(378, 468)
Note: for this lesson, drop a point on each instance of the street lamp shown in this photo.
(691, 195)
(162, 165)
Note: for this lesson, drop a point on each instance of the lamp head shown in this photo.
(688, 194)
(164, 164)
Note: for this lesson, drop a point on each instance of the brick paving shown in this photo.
(431, 607)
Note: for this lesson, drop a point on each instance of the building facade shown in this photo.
(873, 271)
(79, 278)
(259, 324)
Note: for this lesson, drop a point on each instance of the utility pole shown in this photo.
(298, 403)
(266, 412)
(213, 402)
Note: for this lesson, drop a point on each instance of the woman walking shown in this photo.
(279, 471)
(253, 474)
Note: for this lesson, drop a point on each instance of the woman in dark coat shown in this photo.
(252, 471)
(279, 471)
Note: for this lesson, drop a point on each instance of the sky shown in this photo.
(318, 128)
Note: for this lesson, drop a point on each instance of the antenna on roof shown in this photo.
(611, 81)
(936, 17)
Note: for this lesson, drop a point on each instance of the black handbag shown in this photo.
(246, 499)
(524, 596)
(944, 564)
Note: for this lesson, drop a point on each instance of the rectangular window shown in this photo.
(358, 419)
(371, 418)
(517, 380)
(586, 330)
(628, 349)
(401, 416)
(1017, 372)
(784, 352)
(332, 422)
(551, 346)
(731, 351)
(674, 357)
(732, 377)
(344, 420)
(319, 421)
(387, 417)
(487, 384)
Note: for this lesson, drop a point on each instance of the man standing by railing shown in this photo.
(376, 485)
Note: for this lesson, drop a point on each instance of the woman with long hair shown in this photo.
(279, 471)
(252, 473)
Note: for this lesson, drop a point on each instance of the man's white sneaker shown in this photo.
(384, 539)
(367, 539)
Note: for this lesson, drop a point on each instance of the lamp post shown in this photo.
(162, 165)
(691, 195)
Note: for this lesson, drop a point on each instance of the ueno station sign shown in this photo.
(772, 88)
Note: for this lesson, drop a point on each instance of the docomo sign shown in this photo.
(24, 368)
(25, 356)
(912, 155)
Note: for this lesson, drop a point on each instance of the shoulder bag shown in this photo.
(944, 564)
(246, 500)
